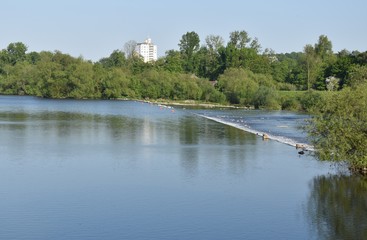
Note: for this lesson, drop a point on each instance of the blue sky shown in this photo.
(93, 29)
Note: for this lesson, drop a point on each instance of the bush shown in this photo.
(266, 98)
(291, 104)
(311, 100)
(338, 130)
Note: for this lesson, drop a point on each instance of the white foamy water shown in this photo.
(243, 126)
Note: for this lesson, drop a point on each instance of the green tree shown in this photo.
(173, 61)
(209, 93)
(324, 47)
(359, 58)
(201, 62)
(340, 68)
(80, 80)
(213, 43)
(213, 67)
(189, 44)
(338, 130)
(115, 84)
(238, 85)
(116, 59)
(266, 97)
(52, 80)
(230, 57)
(357, 75)
(239, 39)
(33, 57)
(130, 48)
(16, 52)
(255, 45)
(186, 87)
(312, 63)
(19, 79)
(325, 58)
(137, 65)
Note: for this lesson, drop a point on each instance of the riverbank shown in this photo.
(193, 104)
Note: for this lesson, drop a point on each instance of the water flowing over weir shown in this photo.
(279, 136)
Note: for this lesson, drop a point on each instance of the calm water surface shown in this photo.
(130, 170)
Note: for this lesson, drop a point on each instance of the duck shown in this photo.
(265, 136)
(301, 152)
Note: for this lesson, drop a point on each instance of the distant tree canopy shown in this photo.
(237, 64)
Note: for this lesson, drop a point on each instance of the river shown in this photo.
(93, 169)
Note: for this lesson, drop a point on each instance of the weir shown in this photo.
(270, 136)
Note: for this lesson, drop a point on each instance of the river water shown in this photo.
(78, 169)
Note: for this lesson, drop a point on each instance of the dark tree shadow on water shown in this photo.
(337, 207)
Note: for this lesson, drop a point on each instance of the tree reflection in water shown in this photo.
(337, 207)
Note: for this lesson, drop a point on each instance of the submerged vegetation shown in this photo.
(329, 85)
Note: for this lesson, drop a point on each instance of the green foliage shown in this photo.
(338, 129)
(116, 59)
(209, 93)
(290, 100)
(213, 43)
(290, 104)
(311, 100)
(245, 75)
(247, 88)
(239, 39)
(312, 64)
(266, 97)
(173, 61)
(238, 85)
(341, 67)
(16, 52)
(189, 44)
(324, 47)
(114, 84)
(357, 75)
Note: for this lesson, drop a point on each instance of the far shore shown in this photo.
(179, 103)
(192, 103)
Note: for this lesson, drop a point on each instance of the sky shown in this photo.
(94, 29)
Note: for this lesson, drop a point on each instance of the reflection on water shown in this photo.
(337, 207)
(130, 170)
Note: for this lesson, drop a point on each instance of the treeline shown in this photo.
(238, 72)
(317, 67)
(58, 75)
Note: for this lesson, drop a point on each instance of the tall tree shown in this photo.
(189, 44)
(239, 39)
(214, 42)
(311, 61)
(212, 59)
(255, 45)
(129, 48)
(325, 57)
(16, 52)
(323, 47)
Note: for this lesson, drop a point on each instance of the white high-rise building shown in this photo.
(147, 50)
